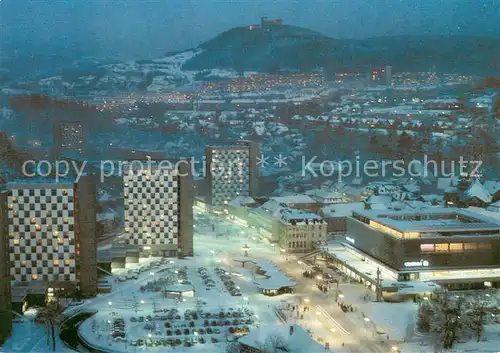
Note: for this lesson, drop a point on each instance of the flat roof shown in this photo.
(40, 182)
(451, 223)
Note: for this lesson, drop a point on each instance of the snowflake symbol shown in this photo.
(262, 161)
(280, 161)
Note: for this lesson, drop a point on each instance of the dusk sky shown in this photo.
(132, 29)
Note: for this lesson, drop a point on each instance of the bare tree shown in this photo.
(50, 315)
(274, 343)
(476, 317)
(446, 317)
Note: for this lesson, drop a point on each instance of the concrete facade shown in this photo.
(86, 234)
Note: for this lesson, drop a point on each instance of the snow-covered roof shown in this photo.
(324, 194)
(477, 190)
(342, 209)
(293, 338)
(492, 186)
(274, 278)
(379, 199)
(289, 215)
(444, 220)
(180, 287)
(294, 199)
(242, 200)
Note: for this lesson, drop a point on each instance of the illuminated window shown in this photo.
(56, 262)
(34, 276)
(65, 192)
(33, 220)
(61, 242)
(65, 220)
(484, 246)
(470, 246)
(16, 241)
(442, 247)
(412, 235)
(66, 262)
(456, 247)
(427, 247)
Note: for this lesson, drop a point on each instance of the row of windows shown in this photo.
(43, 206)
(45, 264)
(35, 242)
(38, 227)
(43, 192)
(297, 244)
(50, 256)
(41, 234)
(35, 276)
(393, 232)
(453, 247)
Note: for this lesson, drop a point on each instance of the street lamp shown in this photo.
(341, 296)
(367, 319)
(142, 301)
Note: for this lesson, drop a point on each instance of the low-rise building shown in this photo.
(456, 247)
(300, 231)
(335, 215)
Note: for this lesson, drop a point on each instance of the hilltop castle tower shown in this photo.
(267, 25)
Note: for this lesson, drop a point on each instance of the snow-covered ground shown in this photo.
(218, 244)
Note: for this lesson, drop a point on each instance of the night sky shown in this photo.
(134, 29)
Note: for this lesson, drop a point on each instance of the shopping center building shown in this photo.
(454, 247)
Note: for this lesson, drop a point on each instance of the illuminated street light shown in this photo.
(319, 278)
(341, 296)
(367, 319)
(307, 300)
(318, 313)
(394, 348)
(333, 330)
(142, 301)
(110, 303)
